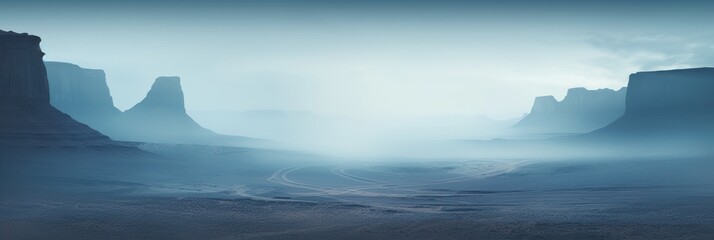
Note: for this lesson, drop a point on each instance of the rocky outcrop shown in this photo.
(22, 72)
(544, 104)
(165, 98)
(580, 111)
(668, 102)
(583, 100)
(26, 116)
(160, 117)
(673, 92)
(81, 93)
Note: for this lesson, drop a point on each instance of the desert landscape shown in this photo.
(627, 162)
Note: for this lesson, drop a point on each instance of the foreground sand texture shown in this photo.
(204, 192)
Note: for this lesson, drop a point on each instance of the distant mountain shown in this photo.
(26, 116)
(580, 111)
(667, 103)
(159, 117)
(82, 93)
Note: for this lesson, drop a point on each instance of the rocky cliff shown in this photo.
(81, 93)
(544, 104)
(580, 111)
(26, 116)
(160, 117)
(674, 102)
(684, 91)
(22, 72)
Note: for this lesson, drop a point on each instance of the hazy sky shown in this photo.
(368, 58)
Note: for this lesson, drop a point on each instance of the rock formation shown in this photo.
(26, 116)
(160, 117)
(81, 93)
(22, 73)
(673, 92)
(544, 104)
(672, 102)
(580, 111)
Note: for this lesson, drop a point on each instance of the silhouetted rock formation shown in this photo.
(22, 73)
(673, 92)
(668, 102)
(544, 104)
(580, 111)
(160, 117)
(81, 93)
(165, 98)
(26, 116)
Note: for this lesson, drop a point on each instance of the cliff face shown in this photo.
(22, 72)
(81, 93)
(583, 100)
(544, 104)
(26, 116)
(685, 91)
(160, 117)
(673, 102)
(580, 111)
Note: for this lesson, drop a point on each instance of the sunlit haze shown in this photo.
(367, 60)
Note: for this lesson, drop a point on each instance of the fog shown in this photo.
(360, 60)
(312, 119)
(359, 77)
(349, 136)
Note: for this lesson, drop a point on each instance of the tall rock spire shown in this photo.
(164, 97)
(160, 117)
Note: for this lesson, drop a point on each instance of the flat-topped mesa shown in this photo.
(22, 72)
(676, 102)
(580, 111)
(544, 104)
(683, 91)
(26, 117)
(581, 99)
(82, 93)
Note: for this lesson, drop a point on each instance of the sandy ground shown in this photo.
(203, 218)
(216, 193)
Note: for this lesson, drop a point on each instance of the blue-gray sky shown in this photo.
(368, 58)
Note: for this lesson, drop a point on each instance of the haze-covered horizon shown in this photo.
(368, 59)
(333, 119)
